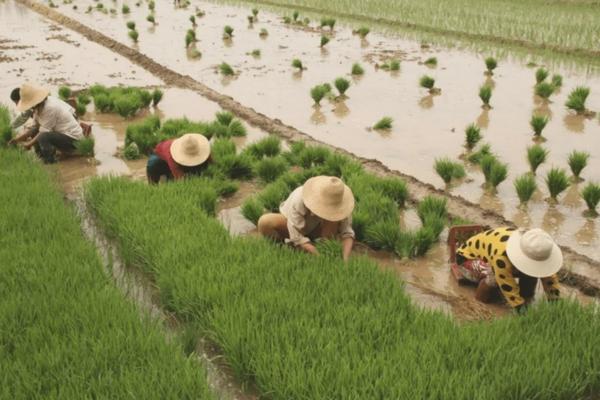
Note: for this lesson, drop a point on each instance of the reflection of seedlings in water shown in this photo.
(125, 9)
(133, 35)
(426, 102)
(536, 156)
(557, 182)
(342, 85)
(330, 22)
(85, 146)
(324, 41)
(577, 162)
(341, 109)
(557, 80)
(132, 152)
(227, 32)
(544, 90)
(490, 64)
(317, 117)
(431, 62)
(150, 18)
(384, 124)
(318, 92)
(226, 69)
(357, 69)
(448, 169)
(552, 219)
(493, 170)
(263, 33)
(484, 118)
(250, 20)
(587, 235)
(194, 53)
(485, 94)
(538, 123)
(525, 185)
(591, 196)
(574, 122)
(577, 98)
(472, 136)
(64, 92)
(428, 82)
(540, 75)
(297, 63)
(130, 25)
(363, 31)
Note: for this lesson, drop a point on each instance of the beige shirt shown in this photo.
(58, 116)
(301, 222)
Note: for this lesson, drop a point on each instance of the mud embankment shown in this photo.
(457, 205)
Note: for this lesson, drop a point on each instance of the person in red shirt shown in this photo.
(176, 158)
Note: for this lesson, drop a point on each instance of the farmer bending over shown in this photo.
(176, 158)
(15, 96)
(55, 125)
(495, 258)
(321, 208)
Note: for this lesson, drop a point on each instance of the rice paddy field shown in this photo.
(435, 114)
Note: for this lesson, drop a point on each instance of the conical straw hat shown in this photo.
(190, 150)
(534, 253)
(328, 198)
(31, 96)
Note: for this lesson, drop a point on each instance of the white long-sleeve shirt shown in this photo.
(58, 116)
(301, 222)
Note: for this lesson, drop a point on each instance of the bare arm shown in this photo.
(31, 132)
(309, 248)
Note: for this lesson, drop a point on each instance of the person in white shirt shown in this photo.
(321, 208)
(55, 124)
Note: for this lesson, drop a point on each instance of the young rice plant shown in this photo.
(536, 155)
(557, 182)
(525, 185)
(577, 162)
(591, 196)
(472, 136)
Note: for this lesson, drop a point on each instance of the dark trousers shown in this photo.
(48, 142)
(156, 168)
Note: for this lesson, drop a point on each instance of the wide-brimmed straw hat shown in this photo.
(328, 198)
(31, 96)
(534, 253)
(190, 150)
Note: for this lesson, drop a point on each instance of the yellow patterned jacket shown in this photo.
(490, 247)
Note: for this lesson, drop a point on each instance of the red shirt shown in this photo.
(163, 151)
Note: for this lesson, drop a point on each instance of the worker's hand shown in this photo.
(28, 145)
(310, 248)
(12, 141)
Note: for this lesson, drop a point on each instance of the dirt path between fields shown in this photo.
(457, 206)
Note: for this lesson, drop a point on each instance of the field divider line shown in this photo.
(457, 205)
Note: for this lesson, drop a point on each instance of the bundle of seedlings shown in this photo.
(85, 146)
(133, 34)
(342, 85)
(263, 33)
(149, 132)
(190, 38)
(538, 123)
(193, 20)
(540, 75)
(494, 171)
(330, 22)
(267, 147)
(485, 94)
(449, 170)
(472, 136)
(324, 41)
(252, 209)
(126, 101)
(577, 162)
(132, 151)
(227, 32)
(125, 9)
(484, 150)
(557, 182)
(64, 93)
(525, 186)
(270, 168)
(363, 31)
(391, 65)
(428, 83)
(357, 70)
(6, 131)
(557, 80)
(226, 69)
(296, 63)
(150, 18)
(384, 124)
(319, 92)
(222, 147)
(577, 99)
(232, 166)
(591, 196)
(544, 90)
(536, 156)
(490, 64)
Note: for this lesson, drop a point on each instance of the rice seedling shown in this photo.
(431, 62)
(273, 195)
(194, 53)
(157, 96)
(255, 53)
(383, 235)
(538, 123)
(448, 169)
(255, 12)
(324, 41)
(330, 22)
(428, 82)
(363, 31)
(252, 210)
(131, 152)
(227, 32)
(126, 106)
(296, 63)
(263, 33)
(540, 75)
(193, 20)
(485, 94)
(287, 20)
(557, 80)
(236, 166)
(84, 98)
(577, 98)
(295, 16)
(329, 248)
(525, 185)
(134, 35)
(557, 182)
(64, 92)
(490, 64)
(384, 123)
(6, 131)
(150, 18)
(391, 65)
(125, 9)
(472, 136)
(577, 162)
(357, 69)
(222, 147)
(313, 156)
(190, 37)
(151, 5)
(591, 196)
(226, 69)
(270, 168)
(267, 147)
(342, 85)
(99, 6)
(250, 19)
(493, 170)
(432, 206)
(536, 155)
(80, 109)
(318, 92)
(224, 117)
(85, 147)
(544, 90)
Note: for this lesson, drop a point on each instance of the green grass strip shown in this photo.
(304, 327)
(65, 331)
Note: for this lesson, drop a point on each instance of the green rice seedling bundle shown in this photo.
(544, 90)
(391, 65)
(557, 80)
(476, 157)
(125, 9)
(329, 248)
(222, 147)
(144, 134)
(538, 123)
(493, 170)
(157, 96)
(296, 63)
(190, 37)
(224, 117)
(84, 98)
(557, 182)
(448, 169)
(150, 18)
(61, 314)
(318, 93)
(132, 151)
(255, 12)
(6, 132)
(295, 16)
(64, 92)
(472, 136)
(525, 186)
(394, 188)
(324, 41)
(267, 147)
(126, 106)
(85, 146)
(236, 166)
(330, 22)
(252, 209)
(263, 33)
(130, 25)
(536, 155)
(540, 75)
(591, 196)
(175, 127)
(432, 206)
(363, 31)
(342, 85)
(226, 69)
(490, 64)
(273, 195)
(134, 35)
(270, 168)
(577, 162)
(340, 165)
(431, 62)
(485, 94)
(227, 32)
(427, 82)
(383, 234)
(287, 20)
(384, 123)
(151, 5)
(99, 6)
(313, 156)
(577, 98)
(357, 69)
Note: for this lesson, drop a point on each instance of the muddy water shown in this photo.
(426, 127)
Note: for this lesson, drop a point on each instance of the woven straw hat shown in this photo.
(31, 96)
(328, 198)
(190, 150)
(534, 253)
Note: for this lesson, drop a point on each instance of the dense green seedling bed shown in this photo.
(6, 132)
(306, 327)
(65, 331)
(125, 101)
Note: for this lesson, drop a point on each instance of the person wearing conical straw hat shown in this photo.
(55, 126)
(176, 158)
(321, 208)
(496, 258)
